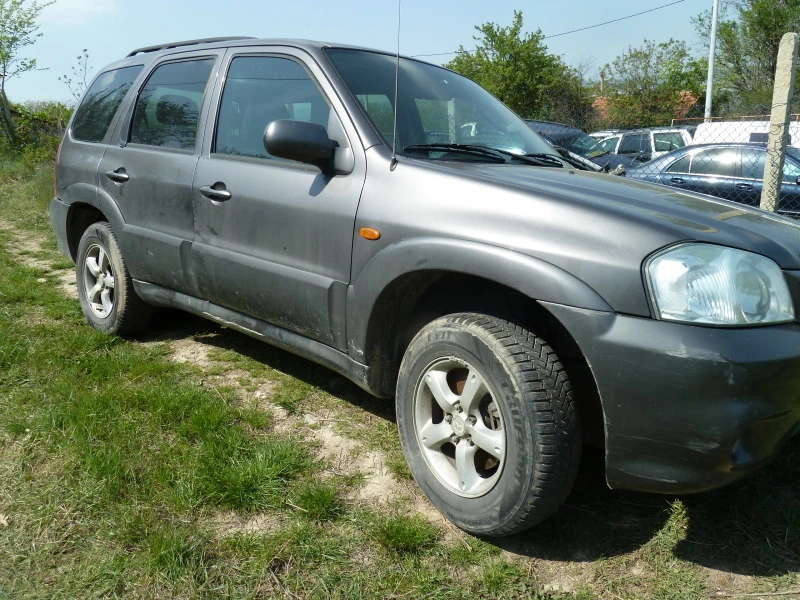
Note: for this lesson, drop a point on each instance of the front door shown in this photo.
(274, 237)
(149, 175)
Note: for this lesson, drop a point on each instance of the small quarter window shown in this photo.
(680, 166)
(168, 107)
(101, 102)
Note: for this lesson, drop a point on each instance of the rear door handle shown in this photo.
(216, 192)
(120, 176)
(677, 180)
(744, 186)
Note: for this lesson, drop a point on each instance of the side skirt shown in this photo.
(312, 350)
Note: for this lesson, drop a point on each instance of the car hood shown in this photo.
(682, 216)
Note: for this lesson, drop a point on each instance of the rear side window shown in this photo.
(665, 142)
(168, 107)
(262, 89)
(101, 102)
(717, 161)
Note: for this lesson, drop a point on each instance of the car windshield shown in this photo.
(445, 115)
(580, 143)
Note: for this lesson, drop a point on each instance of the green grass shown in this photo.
(124, 474)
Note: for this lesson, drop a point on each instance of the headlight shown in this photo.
(703, 283)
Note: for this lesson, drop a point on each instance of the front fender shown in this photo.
(533, 277)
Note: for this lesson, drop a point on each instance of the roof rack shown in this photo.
(187, 43)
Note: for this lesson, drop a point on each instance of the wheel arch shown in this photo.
(89, 209)
(479, 281)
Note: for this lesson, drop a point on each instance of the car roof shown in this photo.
(150, 54)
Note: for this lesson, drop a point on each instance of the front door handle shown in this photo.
(216, 192)
(120, 176)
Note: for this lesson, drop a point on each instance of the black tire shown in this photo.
(538, 423)
(105, 287)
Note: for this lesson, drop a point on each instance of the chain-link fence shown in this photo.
(734, 158)
(722, 158)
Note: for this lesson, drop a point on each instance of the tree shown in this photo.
(18, 29)
(78, 79)
(517, 68)
(647, 85)
(748, 35)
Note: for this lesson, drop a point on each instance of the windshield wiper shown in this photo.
(543, 157)
(463, 148)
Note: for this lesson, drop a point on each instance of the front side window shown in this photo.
(101, 102)
(791, 171)
(753, 161)
(168, 108)
(717, 161)
(262, 89)
(633, 144)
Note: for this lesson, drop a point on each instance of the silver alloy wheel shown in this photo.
(98, 281)
(459, 427)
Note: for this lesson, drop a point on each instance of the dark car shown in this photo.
(731, 171)
(513, 306)
(580, 144)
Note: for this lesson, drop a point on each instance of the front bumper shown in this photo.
(688, 408)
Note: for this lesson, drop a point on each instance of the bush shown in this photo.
(40, 126)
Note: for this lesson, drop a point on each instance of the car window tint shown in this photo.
(680, 166)
(168, 107)
(101, 102)
(666, 142)
(715, 161)
(791, 171)
(753, 160)
(609, 144)
(262, 89)
(633, 143)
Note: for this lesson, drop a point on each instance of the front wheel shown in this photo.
(105, 287)
(488, 423)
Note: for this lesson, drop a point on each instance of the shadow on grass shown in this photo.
(750, 528)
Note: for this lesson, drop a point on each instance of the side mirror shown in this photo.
(644, 156)
(300, 141)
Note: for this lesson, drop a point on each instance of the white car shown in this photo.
(647, 144)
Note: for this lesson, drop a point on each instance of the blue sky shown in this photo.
(109, 29)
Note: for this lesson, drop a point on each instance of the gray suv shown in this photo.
(514, 307)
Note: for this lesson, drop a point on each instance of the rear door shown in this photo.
(148, 172)
(274, 237)
(715, 171)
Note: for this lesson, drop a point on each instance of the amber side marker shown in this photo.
(368, 233)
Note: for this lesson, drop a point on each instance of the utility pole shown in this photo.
(711, 55)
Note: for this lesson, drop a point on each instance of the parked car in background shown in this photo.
(731, 171)
(740, 132)
(601, 135)
(578, 143)
(647, 144)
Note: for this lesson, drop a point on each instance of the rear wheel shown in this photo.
(105, 288)
(488, 423)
